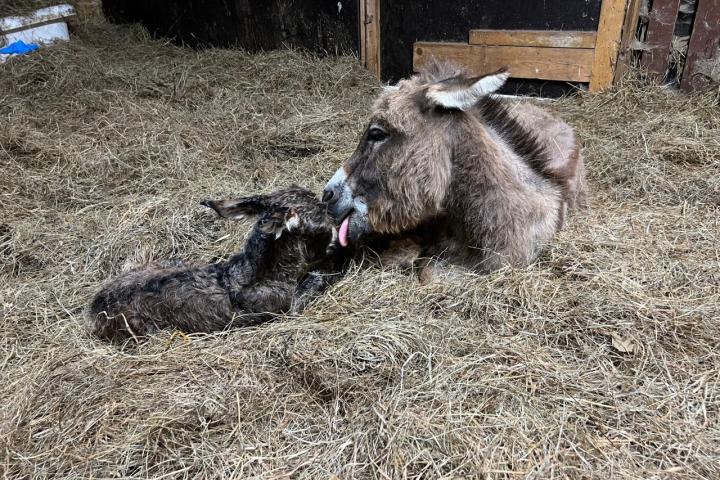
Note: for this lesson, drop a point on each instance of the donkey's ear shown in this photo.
(463, 94)
(239, 208)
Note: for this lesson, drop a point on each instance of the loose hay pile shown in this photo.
(600, 361)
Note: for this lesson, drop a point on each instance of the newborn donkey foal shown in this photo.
(289, 256)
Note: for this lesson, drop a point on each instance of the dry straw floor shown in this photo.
(599, 361)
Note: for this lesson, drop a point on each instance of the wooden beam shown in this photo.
(661, 26)
(632, 16)
(612, 14)
(703, 57)
(370, 35)
(363, 33)
(545, 63)
(533, 38)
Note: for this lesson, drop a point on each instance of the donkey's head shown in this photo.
(292, 212)
(401, 170)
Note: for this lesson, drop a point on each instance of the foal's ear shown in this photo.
(292, 219)
(462, 93)
(278, 221)
(239, 208)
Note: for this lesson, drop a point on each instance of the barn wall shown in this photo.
(403, 22)
(319, 25)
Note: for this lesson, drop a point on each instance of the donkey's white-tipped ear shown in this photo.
(491, 83)
(464, 97)
(390, 88)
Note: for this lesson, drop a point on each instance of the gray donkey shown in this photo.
(289, 257)
(440, 150)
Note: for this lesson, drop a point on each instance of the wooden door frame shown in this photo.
(370, 35)
(596, 63)
(608, 43)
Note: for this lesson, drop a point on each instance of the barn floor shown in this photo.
(600, 361)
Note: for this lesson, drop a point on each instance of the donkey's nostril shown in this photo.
(327, 196)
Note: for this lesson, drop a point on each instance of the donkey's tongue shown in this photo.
(343, 232)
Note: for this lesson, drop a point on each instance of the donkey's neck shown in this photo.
(479, 151)
(482, 158)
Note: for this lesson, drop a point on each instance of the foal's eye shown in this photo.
(376, 134)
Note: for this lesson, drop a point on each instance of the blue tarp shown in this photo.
(18, 48)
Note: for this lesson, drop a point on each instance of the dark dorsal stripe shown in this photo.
(523, 142)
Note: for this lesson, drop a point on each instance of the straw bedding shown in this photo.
(599, 361)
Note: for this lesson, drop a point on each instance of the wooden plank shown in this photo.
(612, 14)
(632, 16)
(405, 22)
(661, 25)
(363, 33)
(533, 38)
(703, 58)
(545, 63)
(370, 35)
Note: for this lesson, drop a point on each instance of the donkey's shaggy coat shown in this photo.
(439, 145)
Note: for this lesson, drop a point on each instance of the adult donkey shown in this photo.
(440, 149)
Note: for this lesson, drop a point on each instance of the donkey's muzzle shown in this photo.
(338, 196)
(329, 196)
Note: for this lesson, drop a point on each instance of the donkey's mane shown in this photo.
(520, 139)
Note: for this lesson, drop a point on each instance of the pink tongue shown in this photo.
(342, 234)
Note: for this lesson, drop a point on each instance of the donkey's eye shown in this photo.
(376, 134)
